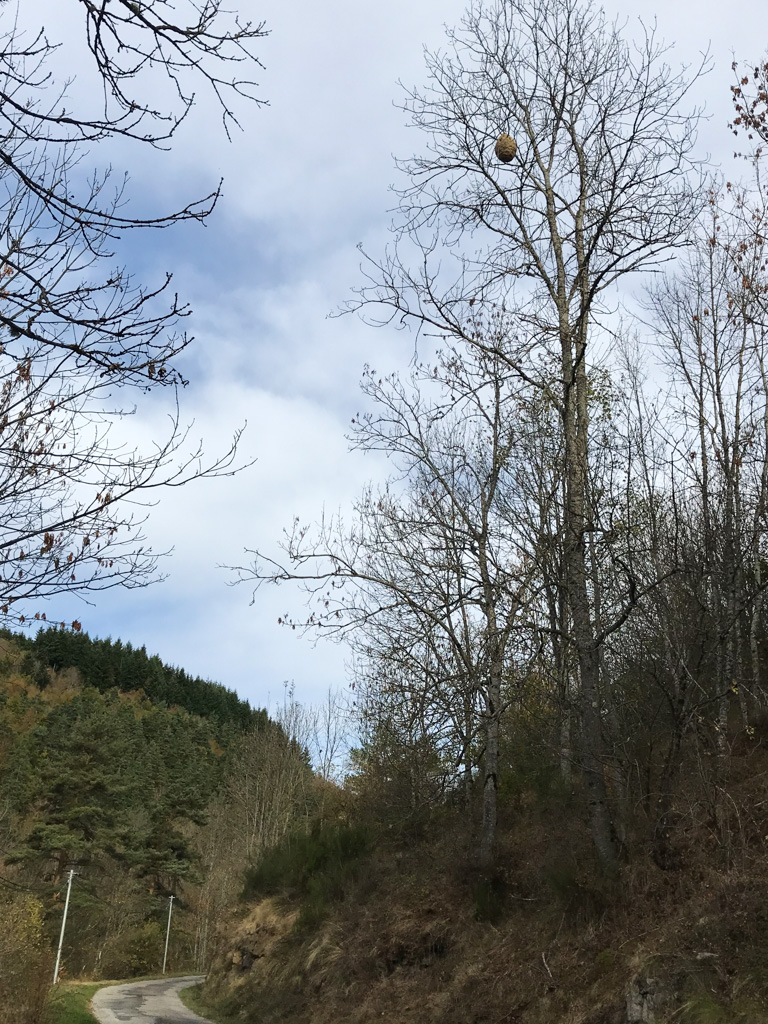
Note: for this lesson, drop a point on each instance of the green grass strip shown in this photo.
(70, 1000)
(193, 1000)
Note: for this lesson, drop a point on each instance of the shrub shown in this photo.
(314, 865)
(297, 864)
(136, 951)
(490, 898)
(25, 963)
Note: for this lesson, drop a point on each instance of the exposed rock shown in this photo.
(645, 996)
(244, 958)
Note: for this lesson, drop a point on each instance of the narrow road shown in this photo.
(146, 1002)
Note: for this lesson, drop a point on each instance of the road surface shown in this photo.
(146, 1002)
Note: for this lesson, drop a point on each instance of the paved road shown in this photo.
(146, 1002)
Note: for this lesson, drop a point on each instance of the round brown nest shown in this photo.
(505, 148)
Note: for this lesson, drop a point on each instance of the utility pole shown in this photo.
(63, 926)
(168, 931)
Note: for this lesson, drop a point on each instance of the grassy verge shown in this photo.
(70, 1000)
(193, 1000)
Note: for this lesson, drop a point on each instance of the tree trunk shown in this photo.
(576, 420)
(491, 765)
(754, 630)
(662, 852)
(566, 753)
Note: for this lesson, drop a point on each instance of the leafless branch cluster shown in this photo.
(77, 331)
(571, 551)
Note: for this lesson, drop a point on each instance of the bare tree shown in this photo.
(267, 793)
(601, 187)
(434, 563)
(114, 325)
(76, 331)
(709, 320)
(328, 735)
(750, 100)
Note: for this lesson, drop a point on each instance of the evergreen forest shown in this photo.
(105, 773)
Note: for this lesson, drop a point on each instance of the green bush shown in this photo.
(305, 861)
(529, 766)
(25, 962)
(582, 897)
(490, 899)
(145, 948)
(137, 951)
(314, 865)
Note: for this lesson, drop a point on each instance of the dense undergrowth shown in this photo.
(315, 866)
(364, 922)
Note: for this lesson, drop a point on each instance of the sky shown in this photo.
(305, 182)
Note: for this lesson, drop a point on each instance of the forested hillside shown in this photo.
(104, 665)
(104, 771)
